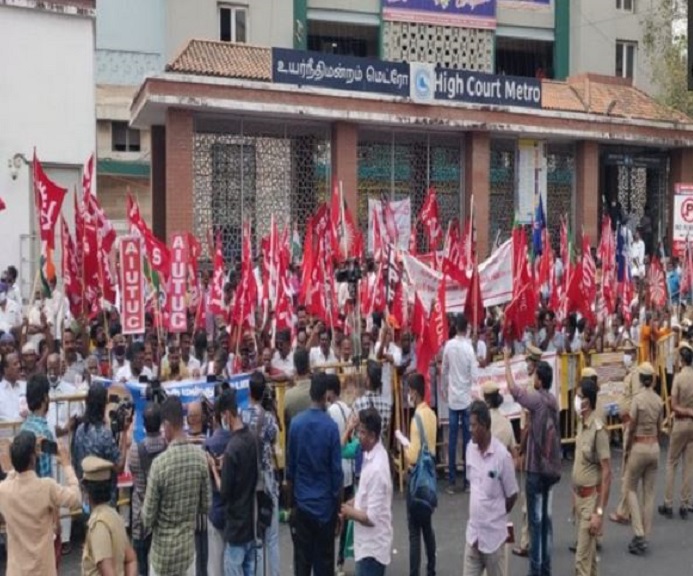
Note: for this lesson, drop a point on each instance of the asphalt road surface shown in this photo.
(671, 542)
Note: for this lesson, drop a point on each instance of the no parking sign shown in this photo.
(683, 218)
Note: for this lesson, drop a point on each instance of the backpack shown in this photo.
(263, 508)
(423, 495)
(548, 445)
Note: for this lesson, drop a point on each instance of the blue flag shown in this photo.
(538, 227)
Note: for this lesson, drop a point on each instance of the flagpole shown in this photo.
(343, 244)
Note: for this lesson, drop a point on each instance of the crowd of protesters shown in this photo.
(208, 487)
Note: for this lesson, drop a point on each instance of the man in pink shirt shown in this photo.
(494, 489)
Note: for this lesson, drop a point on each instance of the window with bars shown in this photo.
(625, 5)
(233, 23)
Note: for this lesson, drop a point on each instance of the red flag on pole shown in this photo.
(474, 305)
(48, 197)
(71, 278)
(419, 317)
(216, 295)
(429, 218)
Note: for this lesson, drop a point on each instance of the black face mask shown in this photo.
(120, 350)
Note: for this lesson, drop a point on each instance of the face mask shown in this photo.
(627, 360)
(53, 381)
(577, 404)
(225, 425)
(3, 298)
(120, 350)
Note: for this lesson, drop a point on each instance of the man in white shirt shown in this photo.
(12, 286)
(131, 372)
(371, 509)
(459, 371)
(637, 256)
(323, 355)
(494, 491)
(10, 311)
(387, 352)
(13, 404)
(193, 364)
(283, 359)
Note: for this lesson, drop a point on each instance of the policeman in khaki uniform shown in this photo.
(107, 549)
(631, 386)
(681, 434)
(642, 456)
(532, 357)
(591, 477)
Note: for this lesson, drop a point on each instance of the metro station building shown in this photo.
(243, 132)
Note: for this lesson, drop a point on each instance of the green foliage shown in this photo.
(666, 52)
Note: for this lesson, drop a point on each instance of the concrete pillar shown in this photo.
(587, 190)
(179, 172)
(345, 140)
(158, 180)
(477, 182)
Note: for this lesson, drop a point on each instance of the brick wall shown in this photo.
(179, 172)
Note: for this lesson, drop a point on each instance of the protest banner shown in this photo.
(131, 285)
(178, 284)
(188, 391)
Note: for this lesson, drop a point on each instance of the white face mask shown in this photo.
(577, 404)
(3, 297)
(627, 360)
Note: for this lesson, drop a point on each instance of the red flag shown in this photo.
(419, 317)
(378, 243)
(307, 266)
(657, 285)
(429, 218)
(425, 353)
(398, 308)
(284, 307)
(438, 325)
(48, 198)
(474, 304)
(88, 177)
(520, 312)
(451, 247)
(71, 277)
(104, 225)
(245, 302)
(216, 295)
(3, 206)
(468, 246)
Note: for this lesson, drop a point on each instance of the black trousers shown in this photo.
(348, 495)
(420, 525)
(313, 544)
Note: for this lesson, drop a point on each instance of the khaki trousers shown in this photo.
(642, 466)
(586, 553)
(476, 562)
(622, 509)
(681, 437)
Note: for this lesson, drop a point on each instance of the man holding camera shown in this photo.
(29, 505)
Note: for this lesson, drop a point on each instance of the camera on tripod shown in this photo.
(153, 392)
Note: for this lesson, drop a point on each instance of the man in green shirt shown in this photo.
(177, 491)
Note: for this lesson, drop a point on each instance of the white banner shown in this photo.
(402, 212)
(495, 276)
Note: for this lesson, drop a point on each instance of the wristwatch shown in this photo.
(599, 511)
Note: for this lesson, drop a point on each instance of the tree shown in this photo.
(665, 45)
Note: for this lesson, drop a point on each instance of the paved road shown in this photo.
(671, 545)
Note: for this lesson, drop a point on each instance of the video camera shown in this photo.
(349, 272)
(153, 392)
(121, 415)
